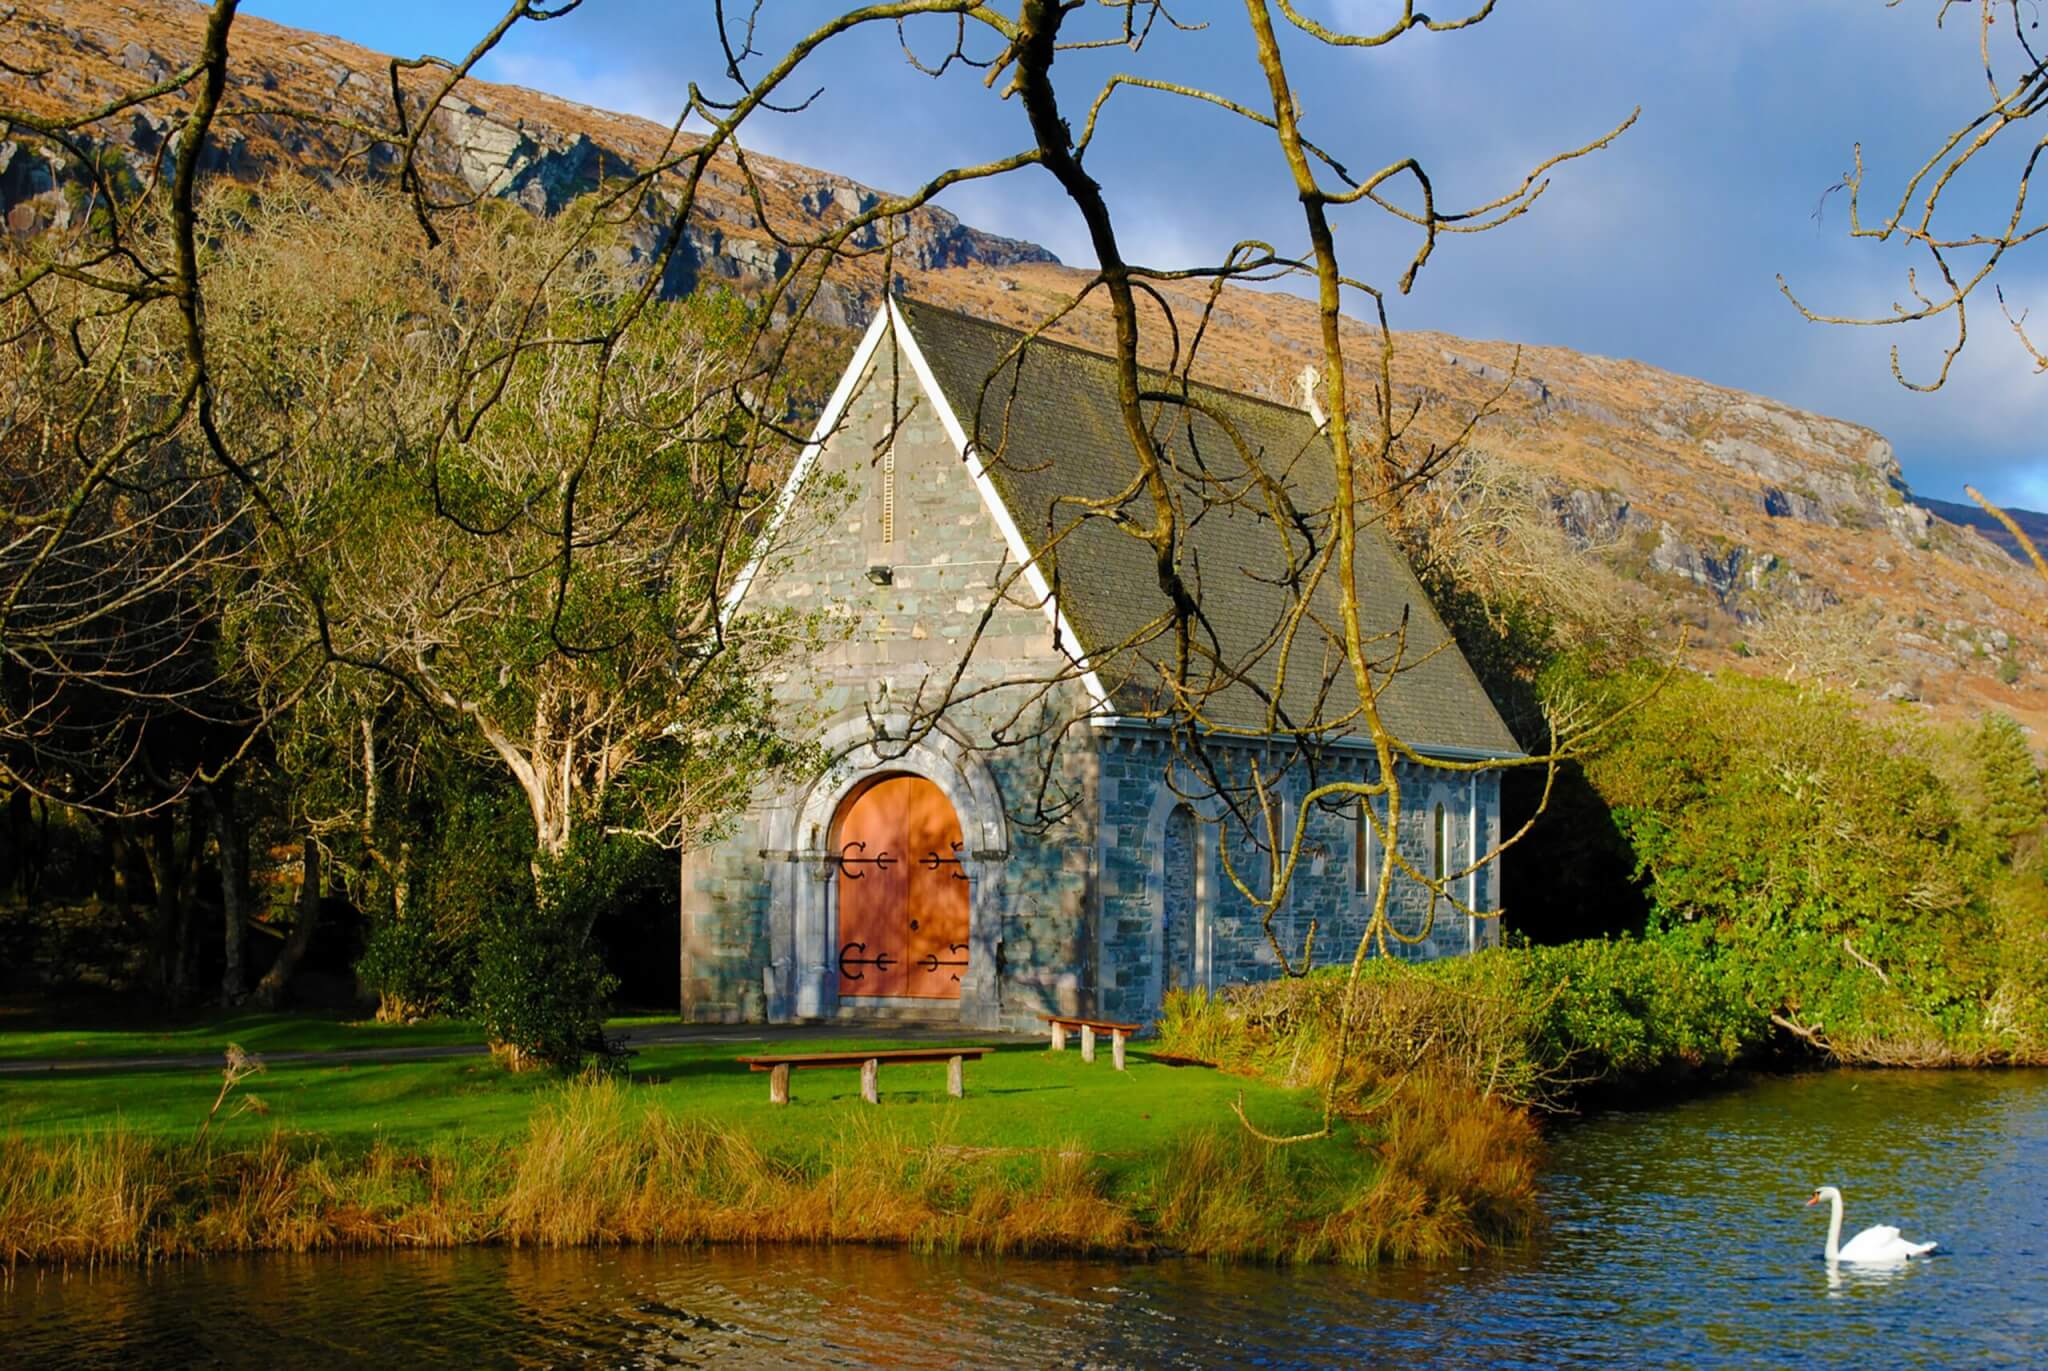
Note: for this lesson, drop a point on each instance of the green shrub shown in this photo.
(1531, 1025)
(1840, 871)
(469, 861)
(413, 973)
(2017, 1019)
(541, 987)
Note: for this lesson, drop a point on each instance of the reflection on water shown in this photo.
(1680, 1237)
(1848, 1278)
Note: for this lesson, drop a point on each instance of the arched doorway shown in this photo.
(902, 892)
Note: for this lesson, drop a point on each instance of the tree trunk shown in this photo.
(186, 893)
(41, 861)
(390, 1009)
(227, 842)
(270, 990)
(117, 853)
(160, 855)
(13, 859)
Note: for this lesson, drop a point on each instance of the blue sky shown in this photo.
(1665, 248)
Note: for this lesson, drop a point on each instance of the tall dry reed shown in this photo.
(594, 1167)
(1447, 1159)
(598, 1165)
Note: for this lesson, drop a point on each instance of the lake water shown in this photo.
(1678, 1237)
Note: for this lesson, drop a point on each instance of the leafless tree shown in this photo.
(1374, 465)
(1962, 258)
(1830, 645)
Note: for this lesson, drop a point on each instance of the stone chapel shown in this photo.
(1043, 842)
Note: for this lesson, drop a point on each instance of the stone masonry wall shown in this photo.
(1232, 947)
(892, 649)
(1071, 907)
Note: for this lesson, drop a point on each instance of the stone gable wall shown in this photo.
(891, 647)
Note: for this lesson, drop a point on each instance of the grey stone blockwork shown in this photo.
(1068, 908)
(1142, 873)
(758, 916)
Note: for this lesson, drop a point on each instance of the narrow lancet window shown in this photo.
(1442, 843)
(1361, 848)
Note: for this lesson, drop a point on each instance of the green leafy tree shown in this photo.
(1847, 877)
(486, 559)
(529, 549)
(2007, 793)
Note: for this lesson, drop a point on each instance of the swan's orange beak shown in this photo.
(1814, 1201)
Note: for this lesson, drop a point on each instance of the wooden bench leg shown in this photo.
(778, 1084)
(870, 1075)
(1116, 1047)
(956, 1084)
(1087, 1043)
(1059, 1037)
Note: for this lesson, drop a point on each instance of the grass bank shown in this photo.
(1045, 1154)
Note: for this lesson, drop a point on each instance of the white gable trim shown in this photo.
(1034, 576)
(828, 423)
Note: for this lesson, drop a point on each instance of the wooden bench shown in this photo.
(1089, 1028)
(778, 1065)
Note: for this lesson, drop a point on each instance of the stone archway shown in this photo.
(801, 978)
(902, 891)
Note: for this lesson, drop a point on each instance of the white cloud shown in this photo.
(620, 89)
(1663, 248)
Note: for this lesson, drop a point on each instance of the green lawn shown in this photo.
(469, 1119)
(1017, 1097)
(1045, 1153)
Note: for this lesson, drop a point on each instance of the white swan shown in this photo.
(1872, 1245)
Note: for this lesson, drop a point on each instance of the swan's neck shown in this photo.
(1834, 1226)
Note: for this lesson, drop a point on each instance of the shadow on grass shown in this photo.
(682, 1071)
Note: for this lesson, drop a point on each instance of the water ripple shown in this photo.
(1678, 1238)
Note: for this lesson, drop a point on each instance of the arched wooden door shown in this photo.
(902, 892)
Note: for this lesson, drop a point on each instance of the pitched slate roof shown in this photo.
(1047, 426)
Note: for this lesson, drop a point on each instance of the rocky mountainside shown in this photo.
(1786, 540)
(2033, 524)
(292, 99)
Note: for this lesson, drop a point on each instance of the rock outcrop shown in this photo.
(493, 141)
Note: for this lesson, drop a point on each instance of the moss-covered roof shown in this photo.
(1044, 418)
